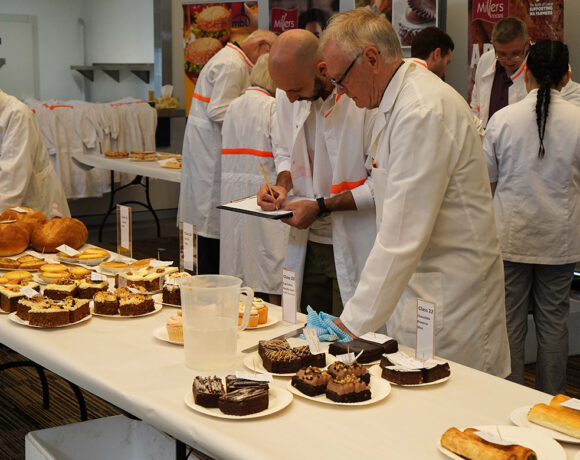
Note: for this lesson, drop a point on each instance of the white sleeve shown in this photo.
(363, 195)
(489, 149)
(229, 84)
(284, 128)
(415, 181)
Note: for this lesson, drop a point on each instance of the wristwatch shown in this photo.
(324, 211)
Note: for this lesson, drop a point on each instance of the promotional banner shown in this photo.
(544, 18)
(305, 14)
(206, 29)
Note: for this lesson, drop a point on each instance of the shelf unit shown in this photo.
(141, 70)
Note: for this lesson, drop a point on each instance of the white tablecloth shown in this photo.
(143, 168)
(120, 361)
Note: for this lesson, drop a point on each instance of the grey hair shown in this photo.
(508, 29)
(260, 34)
(260, 75)
(356, 29)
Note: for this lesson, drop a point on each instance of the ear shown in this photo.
(436, 54)
(321, 69)
(372, 56)
(566, 78)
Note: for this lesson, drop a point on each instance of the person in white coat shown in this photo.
(436, 233)
(251, 248)
(322, 157)
(433, 48)
(222, 79)
(533, 156)
(27, 177)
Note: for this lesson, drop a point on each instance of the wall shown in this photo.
(59, 44)
(118, 31)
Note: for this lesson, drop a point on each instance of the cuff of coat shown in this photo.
(363, 196)
(283, 165)
(350, 323)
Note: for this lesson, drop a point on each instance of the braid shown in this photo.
(548, 63)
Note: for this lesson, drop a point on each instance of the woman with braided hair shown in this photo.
(532, 150)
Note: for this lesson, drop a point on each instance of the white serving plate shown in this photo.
(519, 417)
(161, 334)
(23, 322)
(157, 306)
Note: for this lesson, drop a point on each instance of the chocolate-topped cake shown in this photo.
(402, 376)
(281, 361)
(311, 381)
(404, 370)
(272, 345)
(244, 401)
(371, 351)
(233, 383)
(349, 389)
(309, 359)
(339, 370)
(207, 390)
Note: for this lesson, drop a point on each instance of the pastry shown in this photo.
(135, 304)
(114, 267)
(174, 327)
(106, 303)
(339, 370)
(61, 289)
(31, 218)
(207, 390)
(57, 231)
(468, 445)
(51, 316)
(79, 272)
(10, 295)
(54, 268)
(78, 309)
(311, 381)
(116, 154)
(262, 310)
(556, 418)
(14, 238)
(253, 321)
(244, 401)
(372, 351)
(25, 304)
(88, 288)
(348, 389)
(6, 262)
(18, 275)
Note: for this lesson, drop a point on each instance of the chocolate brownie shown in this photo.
(371, 351)
(350, 389)
(402, 375)
(272, 345)
(396, 369)
(437, 372)
(339, 370)
(311, 381)
(233, 383)
(309, 359)
(281, 361)
(244, 401)
(207, 390)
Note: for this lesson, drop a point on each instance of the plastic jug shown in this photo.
(210, 305)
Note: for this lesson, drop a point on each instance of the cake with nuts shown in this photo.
(53, 315)
(135, 304)
(10, 294)
(171, 289)
(339, 370)
(87, 288)
(106, 303)
(61, 289)
(311, 381)
(25, 304)
(349, 389)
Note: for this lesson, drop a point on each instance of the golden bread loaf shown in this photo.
(468, 445)
(561, 419)
(14, 238)
(31, 218)
(59, 230)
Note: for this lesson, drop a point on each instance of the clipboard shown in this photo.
(250, 206)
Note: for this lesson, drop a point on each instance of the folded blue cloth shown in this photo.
(325, 328)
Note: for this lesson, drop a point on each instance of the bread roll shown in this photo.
(557, 418)
(57, 231)
(14, 238)
(31, 218)
(467, 444)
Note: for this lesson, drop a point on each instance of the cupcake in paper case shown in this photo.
(418, 15)
(174, 327)
(254, 316)
(262, 310)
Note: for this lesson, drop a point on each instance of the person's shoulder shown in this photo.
(13, 108)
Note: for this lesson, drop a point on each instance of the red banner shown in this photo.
(544, 18)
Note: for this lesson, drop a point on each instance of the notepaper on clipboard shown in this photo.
(249, 205)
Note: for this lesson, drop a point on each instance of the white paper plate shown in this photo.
(23, 322)
(279, 398)
(161, 334)
(88, 262)
(163, 163)
(519, 417)
(380, 389)
(143, 159)
(544, 446)
(377, 372)
(253, 361)
(157, 306)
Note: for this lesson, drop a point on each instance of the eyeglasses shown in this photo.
(338, 83)
(517, 58)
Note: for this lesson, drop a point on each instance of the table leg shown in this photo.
(41, 376)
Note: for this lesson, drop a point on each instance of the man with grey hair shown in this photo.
(499, 78)
(436, 233)
(222, 79)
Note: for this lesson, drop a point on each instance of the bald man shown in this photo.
(322, 158)
(224, 78)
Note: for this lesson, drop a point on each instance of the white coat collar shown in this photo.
(394, 87)
(241, 53)
(518, 73)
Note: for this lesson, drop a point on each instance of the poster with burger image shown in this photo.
(207, 28)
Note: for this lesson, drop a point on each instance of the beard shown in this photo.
(318, 88)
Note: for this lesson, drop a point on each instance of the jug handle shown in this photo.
(247, 306)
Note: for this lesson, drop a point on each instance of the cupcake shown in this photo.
(418, 15)
(262, 310)
(174, 327)
(254, 317)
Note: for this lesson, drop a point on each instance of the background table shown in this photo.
(120, 361)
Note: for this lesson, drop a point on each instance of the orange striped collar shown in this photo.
(241, 53)
(330, 111)
(259, 90)
(520, 72)
(419, 62)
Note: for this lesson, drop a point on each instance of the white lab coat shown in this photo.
(346, 132)
(251, 248)
(223, 78)
(571, 92)
(27, 177)
(436, 238)
(537, 201)
(484, 76)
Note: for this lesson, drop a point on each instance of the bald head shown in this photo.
(294, 48)
(258, 43)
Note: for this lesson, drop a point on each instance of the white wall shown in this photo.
(118, 31)
(59, 44)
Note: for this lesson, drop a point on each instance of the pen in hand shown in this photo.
(267, 182)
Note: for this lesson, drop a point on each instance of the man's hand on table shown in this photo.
(343, 328)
